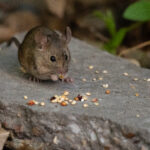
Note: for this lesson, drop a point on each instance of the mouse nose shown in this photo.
(62, 71)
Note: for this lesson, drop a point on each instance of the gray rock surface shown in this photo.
(121, 121)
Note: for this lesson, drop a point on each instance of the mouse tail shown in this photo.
(15, 40)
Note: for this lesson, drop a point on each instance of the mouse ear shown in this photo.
(68, 35)
(41, 40)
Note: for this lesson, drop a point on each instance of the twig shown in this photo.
(141, 45)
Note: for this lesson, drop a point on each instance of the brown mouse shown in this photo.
(44, 54)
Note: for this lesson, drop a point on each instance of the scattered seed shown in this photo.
(148, 80)
(105, 71)
(107, 91)
(42, 104)
(91, 67)
(94, 79)
(73, 102)
(70, 100)
(54, 101)
(31, 102)
(25, 97)
(66, 98)
(97, 71)
(76, 98)
(63, 103)
(79, 97)
(85, 105)
(59, 97)
(100, 78)
(135, 79)
(85, 98)
(105, 85)
(56, 96)
(136, 94)
(84, 80)
(82, 100)
(94, 100)
(96, 103)
(63, 97)
(52, 98)
(88, 94)
(66, 93)
(125, 74)
(59, 100)
(36, 103)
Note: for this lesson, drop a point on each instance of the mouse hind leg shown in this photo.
(34, 79)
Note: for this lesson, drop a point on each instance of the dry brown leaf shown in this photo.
(21, 21)
(57, 7)
(13, 24)
(5, 33)
(3, 137)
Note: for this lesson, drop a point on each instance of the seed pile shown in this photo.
(64, 100)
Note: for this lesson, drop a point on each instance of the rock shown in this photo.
(120, 121)
(138, 55)
(18, 144)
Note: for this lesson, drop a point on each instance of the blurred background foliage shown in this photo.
(120, 27)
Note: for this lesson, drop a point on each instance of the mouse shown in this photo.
(44, 54)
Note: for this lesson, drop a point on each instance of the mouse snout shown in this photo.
(62, 71)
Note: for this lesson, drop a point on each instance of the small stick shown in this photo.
(135, 47)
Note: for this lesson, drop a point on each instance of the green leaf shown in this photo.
(99, 14)
(109, 21)
(115, 42)
(139, 11)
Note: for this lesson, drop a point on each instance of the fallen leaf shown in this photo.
(3, 137)
(57, 7)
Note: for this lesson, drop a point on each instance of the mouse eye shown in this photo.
(53, 58)
(66, 57)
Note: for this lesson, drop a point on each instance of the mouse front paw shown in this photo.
(69, 80)
(54, 77)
